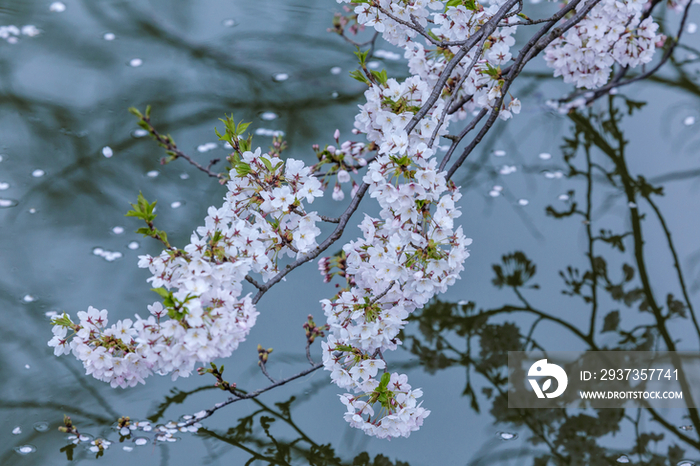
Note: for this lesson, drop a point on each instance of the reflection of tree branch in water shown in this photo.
(560, 431)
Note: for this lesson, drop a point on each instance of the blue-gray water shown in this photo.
(64, 96)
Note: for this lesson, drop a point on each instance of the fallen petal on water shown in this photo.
(57, 7)
(5, 203)
(507, 435)
(25, 449)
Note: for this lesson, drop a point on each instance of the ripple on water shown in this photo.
(41, 426)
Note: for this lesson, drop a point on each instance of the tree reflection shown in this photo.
(615, 276)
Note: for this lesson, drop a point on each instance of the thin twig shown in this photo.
(239, 395)
(169, 145)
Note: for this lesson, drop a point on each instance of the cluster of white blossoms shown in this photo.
(612, 32)
(203, 315)
(482, 83)
(403, 259)
(343, 160)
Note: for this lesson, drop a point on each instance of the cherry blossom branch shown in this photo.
(486, 31)
(534, 46)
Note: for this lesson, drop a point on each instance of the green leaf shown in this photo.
(267, 163)
(359, 76)
(384, 382)
(242, 127)
(242, 169)
(381, 76)
(162, 292)
(362, 56)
